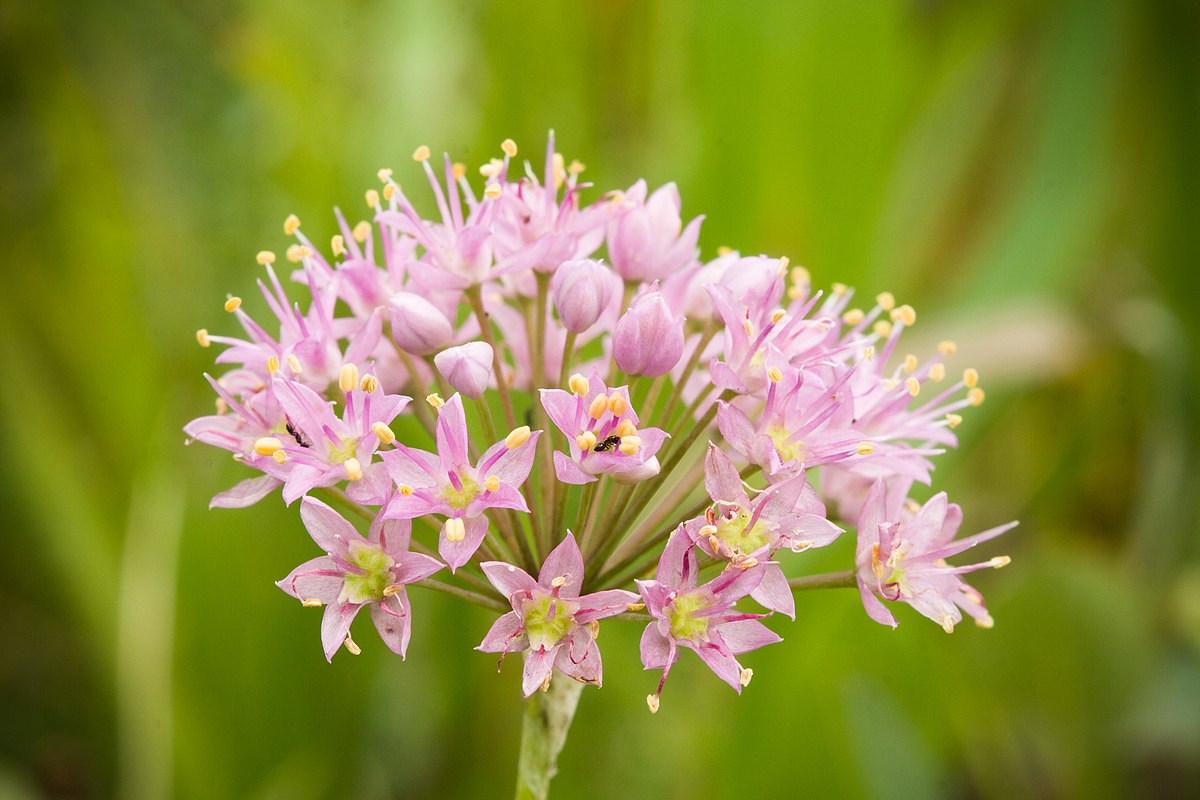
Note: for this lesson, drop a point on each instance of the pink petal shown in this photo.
(393, 620)
(579, 658)
(721, 478)
(725, 666)
(569, 471)
(744, 635)
(677, 565)
(875, 608)
(335, 626)
(607, 603)
(506, 496)
(455, 554)
(315, 579)
(393, 535)
(562, 408)
(538, 666)
(655, 648)
(513, 465)
(246, 493)
(564, 561)
(508, 579)
(328, 529)
(774, 593)
(505, 635)
(412, 567)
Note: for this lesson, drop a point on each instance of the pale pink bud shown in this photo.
(582, 290)
(646, 242)
(648, 338)
(467, 367)
(417, 325)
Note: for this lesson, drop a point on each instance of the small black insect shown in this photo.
(608, 444)
(298, 435)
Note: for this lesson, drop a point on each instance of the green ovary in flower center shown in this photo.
(377, 573)
(542, 629)
(339, 454)
(461, 498)
(681, 611)
(789, 450)
(733, 532)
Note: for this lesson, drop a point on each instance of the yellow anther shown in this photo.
(783, 264)
(954, 420)
(384, 175)
(517, 437)
(889, 383)
(348, 378)
(509, 147)
(839, 289)
(747, 563)
(265, 257)
(937, 372)
(421, 154)
(369, 383)
(492, 483)
(777, 315)
(853, 316)
(202, 338)
(405, 489)
(279, 457)
(910, 363)
(492, 168)
(294, 254)
(913, 385)
(886, 300)
(714, 543)
(634, 606)
(800, 276)
(626, 428)
(882, 328)
(291, 224)
(311, 602)
(795, 293)
(372, 198)
(395, 588)
(338, 245)
(630, 444)
(293, 364)
(222, 406)
(866, 448)
(1000, 561)
(352, 646)
(947, 623)
(272, 364)
(233, 304)
(947, 348)
(868, 353)
(708, 530)
(458, 170)
(267, 445)
(774, 374)
(575, 167)
(746, 676)
(975, 396)
(748, 327)
(970, 377)
(579, 384)
(456, 531)
(492, 191)
(361, 231)
(724, 250)
(435, 400)
(905, 314)
(586, 440)
(560, 173)
(652, 703)
(383, 433)
(353, 469)
(598, 407)
(558, 582)
(389, 191)
(617, 404)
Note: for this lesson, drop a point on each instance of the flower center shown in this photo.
(733, 531)
(460, 498)
(682, 615)
(788, 450)
(339, 453)
(377, 574)
(547, 620)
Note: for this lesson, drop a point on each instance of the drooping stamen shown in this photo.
(455, 530)
(353, 469)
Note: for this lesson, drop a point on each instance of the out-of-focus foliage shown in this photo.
(1024, 173)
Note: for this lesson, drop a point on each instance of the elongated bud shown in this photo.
(467, 367)
(582, 290)
(648, 339)
(418, 327)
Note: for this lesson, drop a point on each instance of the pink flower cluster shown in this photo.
(579, 368)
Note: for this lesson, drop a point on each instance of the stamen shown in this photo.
(947, 348)
(747, 327)
(913, 385)
(947, 623)
(598, 407)
(575, 167)
(311, 602)
(456, 531)
(435, 400)
(745, 677)
(492, 168)
(714, 543)
(882, 328)
(839, 289)
(853, 316)
(634, 606)
(1000, 561)
(579, 384)
(777, 315)
(233, 304)
(293, 254)
(558, 582)
(868, 353)
(509, 147)
(954, 420)
(937, 372)
(384, 175)
(492, 191)
(652, 703)
(353, 469)
(405, 489)
(517, 437)
(910, 363)
(492, 483)
(630, 445)
(626, 428)
(986, 622)
(279, 457)
(975, 397)
(905, 314)
(708, 530)
(222, 406)
(291, 224)
(265, 257)
(866, 448)
(747, 563)
(586, 440)
(348, 378)
(202, 338)
(395, 588)
(267, 445)
(421, 153)
(383, 432)
(294, 364)
(352, 646)
(389, 191)
(970, 377)
(370, 384)
(800, 275)
(774, 374)
(272, 364)
(372, 198)
(458, 170)
(361, 231)
(617, 404)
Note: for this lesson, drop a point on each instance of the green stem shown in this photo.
(475, 298)
(461, 593)
(829, 580)
(544, 729)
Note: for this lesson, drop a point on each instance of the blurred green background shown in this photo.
(1024, 173)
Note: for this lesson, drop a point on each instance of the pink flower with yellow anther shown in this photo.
(448, 485)
(356, 572)
(602, 433)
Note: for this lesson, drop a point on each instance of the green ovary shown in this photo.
(684, 625)
(377, 575)
(788, 450)
(732, 531)
(540, 628)
(461, 498)
(338, 455)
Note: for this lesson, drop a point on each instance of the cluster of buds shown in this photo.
(594, 405)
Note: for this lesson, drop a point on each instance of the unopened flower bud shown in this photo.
(417, 325)
(582, 290)
(648, 339)
(467, 367)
